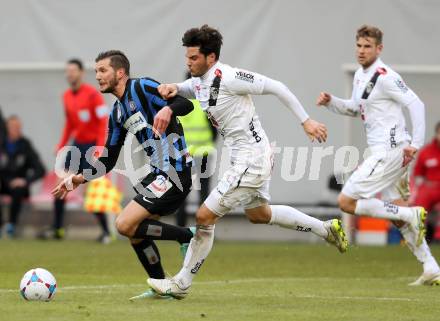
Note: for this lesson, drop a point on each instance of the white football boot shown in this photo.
(427, 279)
(168, 287)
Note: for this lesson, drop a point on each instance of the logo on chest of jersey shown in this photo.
(246, 76)
(135, 123)
(132, 105)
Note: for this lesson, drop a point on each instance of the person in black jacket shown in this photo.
(20, 166)
(2, 129)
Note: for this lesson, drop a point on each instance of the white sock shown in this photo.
(422, 252)
(380, 209)
(293, 219)
(198, 251)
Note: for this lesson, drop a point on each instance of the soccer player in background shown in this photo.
(141, 111)
(85, 125)
(427, 181)
(20, 166)
(379, 96)
(2, 129)
(225, 93)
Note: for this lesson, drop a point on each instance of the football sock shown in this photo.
(293, 219)
(198, 251)
(155, 230)
(380, 209)
(422, 252)
(148, 254)
(59, 214)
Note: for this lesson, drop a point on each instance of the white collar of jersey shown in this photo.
(374, 66)
(210, 71)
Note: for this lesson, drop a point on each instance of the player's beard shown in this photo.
(203, 69)
(111, 85)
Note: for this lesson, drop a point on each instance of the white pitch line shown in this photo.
(241, 281)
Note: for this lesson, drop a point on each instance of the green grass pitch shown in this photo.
(239, 281)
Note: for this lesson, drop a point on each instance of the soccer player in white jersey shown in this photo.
(379, 96)
(225, 93)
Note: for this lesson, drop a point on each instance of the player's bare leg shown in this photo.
(291, 218)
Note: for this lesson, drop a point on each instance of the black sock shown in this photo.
(14, 210)
(148, 253)
(17, 195)
(155, 230)
(181, 215)
(102, 220)
(59, 214)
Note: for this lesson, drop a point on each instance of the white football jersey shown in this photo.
(225, 93)
(381, 112)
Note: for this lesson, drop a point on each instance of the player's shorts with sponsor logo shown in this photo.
(381, 173)
(163, 195)
(245, 185)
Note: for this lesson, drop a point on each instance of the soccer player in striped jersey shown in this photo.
(141, 111)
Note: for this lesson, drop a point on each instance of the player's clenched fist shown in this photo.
(315, 130)
(323, 99)
(167, 91)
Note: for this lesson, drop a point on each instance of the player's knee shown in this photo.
(259, 215)
(205, 217)
(260, 218)
(123, 227)
(346, 204)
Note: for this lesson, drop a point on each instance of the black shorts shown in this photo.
(161, 195)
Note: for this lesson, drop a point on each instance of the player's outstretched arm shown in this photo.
(337, 105)
(313, 129)
(167, 91)
(184, 89)
(177, 106)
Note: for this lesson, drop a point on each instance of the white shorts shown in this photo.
(382, 173)
(239, 187)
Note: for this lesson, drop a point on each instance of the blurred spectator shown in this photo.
(200, 137)
(86, 125)
(20, 166)
(427, 182)
(2, 129)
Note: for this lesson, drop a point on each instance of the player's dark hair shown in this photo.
(77, 62)
(370, 31)
(209, 40)
(118, 60)
(437, 127)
